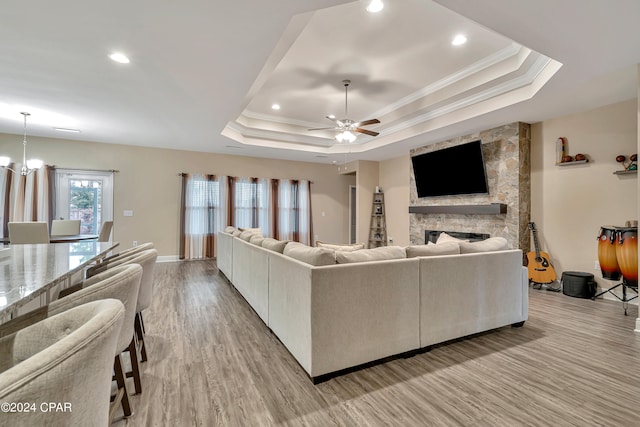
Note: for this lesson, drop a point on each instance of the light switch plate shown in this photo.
(128, 213)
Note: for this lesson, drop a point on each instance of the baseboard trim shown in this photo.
(637, 325)
(168, 258)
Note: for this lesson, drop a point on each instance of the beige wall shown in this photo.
(148, 183)
(394, 180)
(366, 175)
(571, 203)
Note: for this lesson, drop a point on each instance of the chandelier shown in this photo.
(28, 166)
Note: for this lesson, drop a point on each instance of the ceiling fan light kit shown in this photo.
(348, 129)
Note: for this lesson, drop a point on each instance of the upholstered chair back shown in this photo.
(121, 283)
(67, 360)
(28, 232)
(65, 227)
(147, 260)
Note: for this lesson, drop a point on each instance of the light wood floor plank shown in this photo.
(213, 362)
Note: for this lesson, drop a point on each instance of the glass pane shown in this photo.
(85, 201)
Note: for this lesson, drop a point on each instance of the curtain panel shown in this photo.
(208, 203)
(27, 198)
(201, 214)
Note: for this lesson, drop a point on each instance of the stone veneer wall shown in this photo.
(506, 151)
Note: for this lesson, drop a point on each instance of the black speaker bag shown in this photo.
(578, 284)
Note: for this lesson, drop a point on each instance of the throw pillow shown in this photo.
(229, 229)
(256, 239)
(310, 255)
(340, 246)
(489, 245)
(444, 237)
(254, 230)
(237, 233)
(446, 248)
(375, 254)
(274, 244)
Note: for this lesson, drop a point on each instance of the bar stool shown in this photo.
(66, 358)
(121, 283)
(147, 259)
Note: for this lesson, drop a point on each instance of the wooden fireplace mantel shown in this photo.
(490, 209)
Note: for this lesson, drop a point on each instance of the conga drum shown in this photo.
(627, 253)
(607, 257)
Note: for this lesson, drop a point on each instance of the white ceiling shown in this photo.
(199, 68)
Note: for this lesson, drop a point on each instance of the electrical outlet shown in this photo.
(597, 265)
(135, 243)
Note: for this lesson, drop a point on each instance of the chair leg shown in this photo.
(139, 328)
(122, 397)
(144, 330)
(135, 368)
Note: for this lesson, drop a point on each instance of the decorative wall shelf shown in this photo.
(575, 162)
(491, 209)
(631, 172)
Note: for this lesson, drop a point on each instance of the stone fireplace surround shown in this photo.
(506, 150)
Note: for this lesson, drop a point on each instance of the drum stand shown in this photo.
(624, 299)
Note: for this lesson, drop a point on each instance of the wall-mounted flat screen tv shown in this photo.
(454, 170)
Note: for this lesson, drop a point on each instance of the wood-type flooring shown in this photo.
(213, 362)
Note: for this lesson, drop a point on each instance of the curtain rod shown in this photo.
(187, 173)
(88, 170)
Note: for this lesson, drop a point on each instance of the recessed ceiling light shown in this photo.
(331, 116)
(275, 107)
(458, 40)
(375, 6)
(119, 57)
(67, 130)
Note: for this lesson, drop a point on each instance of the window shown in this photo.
(202, 205)
(84, 195)
(281, 208)
(252, 203)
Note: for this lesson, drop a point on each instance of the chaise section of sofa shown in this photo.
(465, 294)
(336, 317)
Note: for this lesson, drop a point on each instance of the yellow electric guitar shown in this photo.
(540, 269)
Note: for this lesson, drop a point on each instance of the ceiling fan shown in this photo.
(348, 128)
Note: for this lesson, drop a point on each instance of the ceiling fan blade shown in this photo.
(321, 128)
(366, 132)
(369, 122)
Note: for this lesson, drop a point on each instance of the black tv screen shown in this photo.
(450, 171)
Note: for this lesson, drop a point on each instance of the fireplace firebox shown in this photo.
(432, 235)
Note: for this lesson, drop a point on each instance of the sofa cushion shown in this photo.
(246, 235)
(375, 254)
(274, 244)
(257, 230)
(444, 237)
(310, 255)
(229, 229)
(256, 239)
(489, 245)
(340, 246)
(445, 248)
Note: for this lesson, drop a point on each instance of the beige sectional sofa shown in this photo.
(336, 317)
